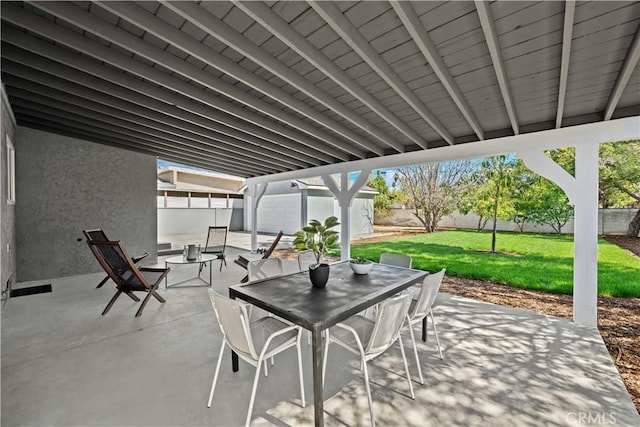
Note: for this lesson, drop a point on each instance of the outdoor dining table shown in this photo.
(292, 298)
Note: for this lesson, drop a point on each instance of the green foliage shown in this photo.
(318, 237)
(619, 173)
(383, 201)
(530, 261)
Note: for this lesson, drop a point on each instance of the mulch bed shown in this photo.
(618, 318)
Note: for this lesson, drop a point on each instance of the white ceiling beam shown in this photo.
(599, 132)
(56, 107)
(350, 34)
(418, 33)
(200, 17)
(186, 93)
(138, 16)
(270, 20)
(130, 42)
(119, 97)
(567, 32)
(58, 99)
(629, 66)
(489, 30)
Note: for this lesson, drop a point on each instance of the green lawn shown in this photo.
(535, 261)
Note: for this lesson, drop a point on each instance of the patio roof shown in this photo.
(263, 88)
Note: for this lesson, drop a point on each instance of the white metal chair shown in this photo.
(253, 342)
(397, 260)
(421, 308)
(263, 268)
(370, 338)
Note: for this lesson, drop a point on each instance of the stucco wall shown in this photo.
(65, 185)
(188, 221)
(7, 210)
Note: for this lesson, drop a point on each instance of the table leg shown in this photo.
(424, 329)
(318, 387)
(210, 273)
(165, 277)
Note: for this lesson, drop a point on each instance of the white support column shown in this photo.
(582, 192)
(345, 195)
(256, 191)
(585, 264)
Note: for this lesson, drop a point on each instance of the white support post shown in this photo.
(582, 192)
(585, 263)
(256, 191)
(345, 195)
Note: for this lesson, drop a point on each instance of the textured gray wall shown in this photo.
(65, 185)
(7, 211)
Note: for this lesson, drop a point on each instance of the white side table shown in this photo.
(202, 259)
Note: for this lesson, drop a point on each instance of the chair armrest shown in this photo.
(241, 261)
(136, 259)
(154, 269)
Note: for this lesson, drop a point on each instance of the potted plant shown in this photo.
(321, 239)
(360, 265)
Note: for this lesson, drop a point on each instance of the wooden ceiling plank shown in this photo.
(187, 91)
(350, 34)
(407, 15)
(630, 63)
(280, 28)
(491, 38)
(197, 16)
(159, 28)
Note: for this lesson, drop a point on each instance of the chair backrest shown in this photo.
(389, 319)
(428, 294)
(398, 260)
(115, 260)
(95, 235)
(305, 259)
(275, 242)
(216, 240)
(263, 268)
(233, 319)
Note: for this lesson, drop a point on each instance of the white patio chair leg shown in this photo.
(326, 354)
(253, 392)
(300, 370)
(266, 372)
(366, 384)
(415, 350)
(215, 376)
(406, 367)
(435, 332)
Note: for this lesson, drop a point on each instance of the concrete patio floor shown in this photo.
(63, 364)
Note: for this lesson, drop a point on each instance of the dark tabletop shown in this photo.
(293, 298)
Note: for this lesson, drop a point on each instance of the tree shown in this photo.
(431, 189)
(620, 178)
(550, 205)
(619, 173)
(498, 172)
(383, 201)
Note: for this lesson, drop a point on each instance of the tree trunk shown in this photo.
(634, 226)
(495, 218)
